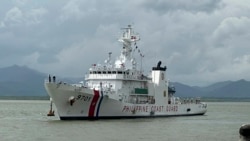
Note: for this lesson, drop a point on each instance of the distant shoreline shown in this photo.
(203, 99)
(225, 99)
(24, 98)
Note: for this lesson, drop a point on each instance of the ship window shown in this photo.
(90, 72)
(99, 72)
(119, 72)
(104, 72)
(109, 72)
(94, 72)
(113, 72)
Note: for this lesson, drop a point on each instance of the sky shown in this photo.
(200, 41)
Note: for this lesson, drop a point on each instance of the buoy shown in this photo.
(245, 132)
(51, 112)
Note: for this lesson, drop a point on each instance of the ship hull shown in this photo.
(79, 103)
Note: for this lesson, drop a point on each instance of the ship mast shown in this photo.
(126, 58)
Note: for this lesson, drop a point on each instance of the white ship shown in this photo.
(121, 90)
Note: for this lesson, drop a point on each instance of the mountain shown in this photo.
(183, 90)
(237, 89)
(23, 81)
(214, 86)
(225, 89)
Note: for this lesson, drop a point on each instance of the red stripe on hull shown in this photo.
(93, 103)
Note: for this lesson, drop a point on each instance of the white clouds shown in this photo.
(31, 59)
(34, 15)
(165, 6)
(2, 25)
(231, 27)
(72, 10)
(231, 48)
(201, 41)
(20, 2)
(16, 17)
(242, 61)
(78, 9)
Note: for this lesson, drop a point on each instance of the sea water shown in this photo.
(26, 120)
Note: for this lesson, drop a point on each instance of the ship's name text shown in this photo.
(154, 108)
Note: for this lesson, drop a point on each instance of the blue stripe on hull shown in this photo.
(125, 117)
(99, 105)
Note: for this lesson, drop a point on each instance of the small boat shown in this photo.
(119, 89)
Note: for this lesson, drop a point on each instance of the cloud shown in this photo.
(20, 2)
(165, 6)
(34, 15)
(200, 41)
(17, 17)
(232, 27)
(14, 15)
(242, 61)
(2, 25)
(72, 10)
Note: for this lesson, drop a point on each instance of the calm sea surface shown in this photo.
(26, 120)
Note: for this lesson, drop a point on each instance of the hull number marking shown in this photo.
(83, 98)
